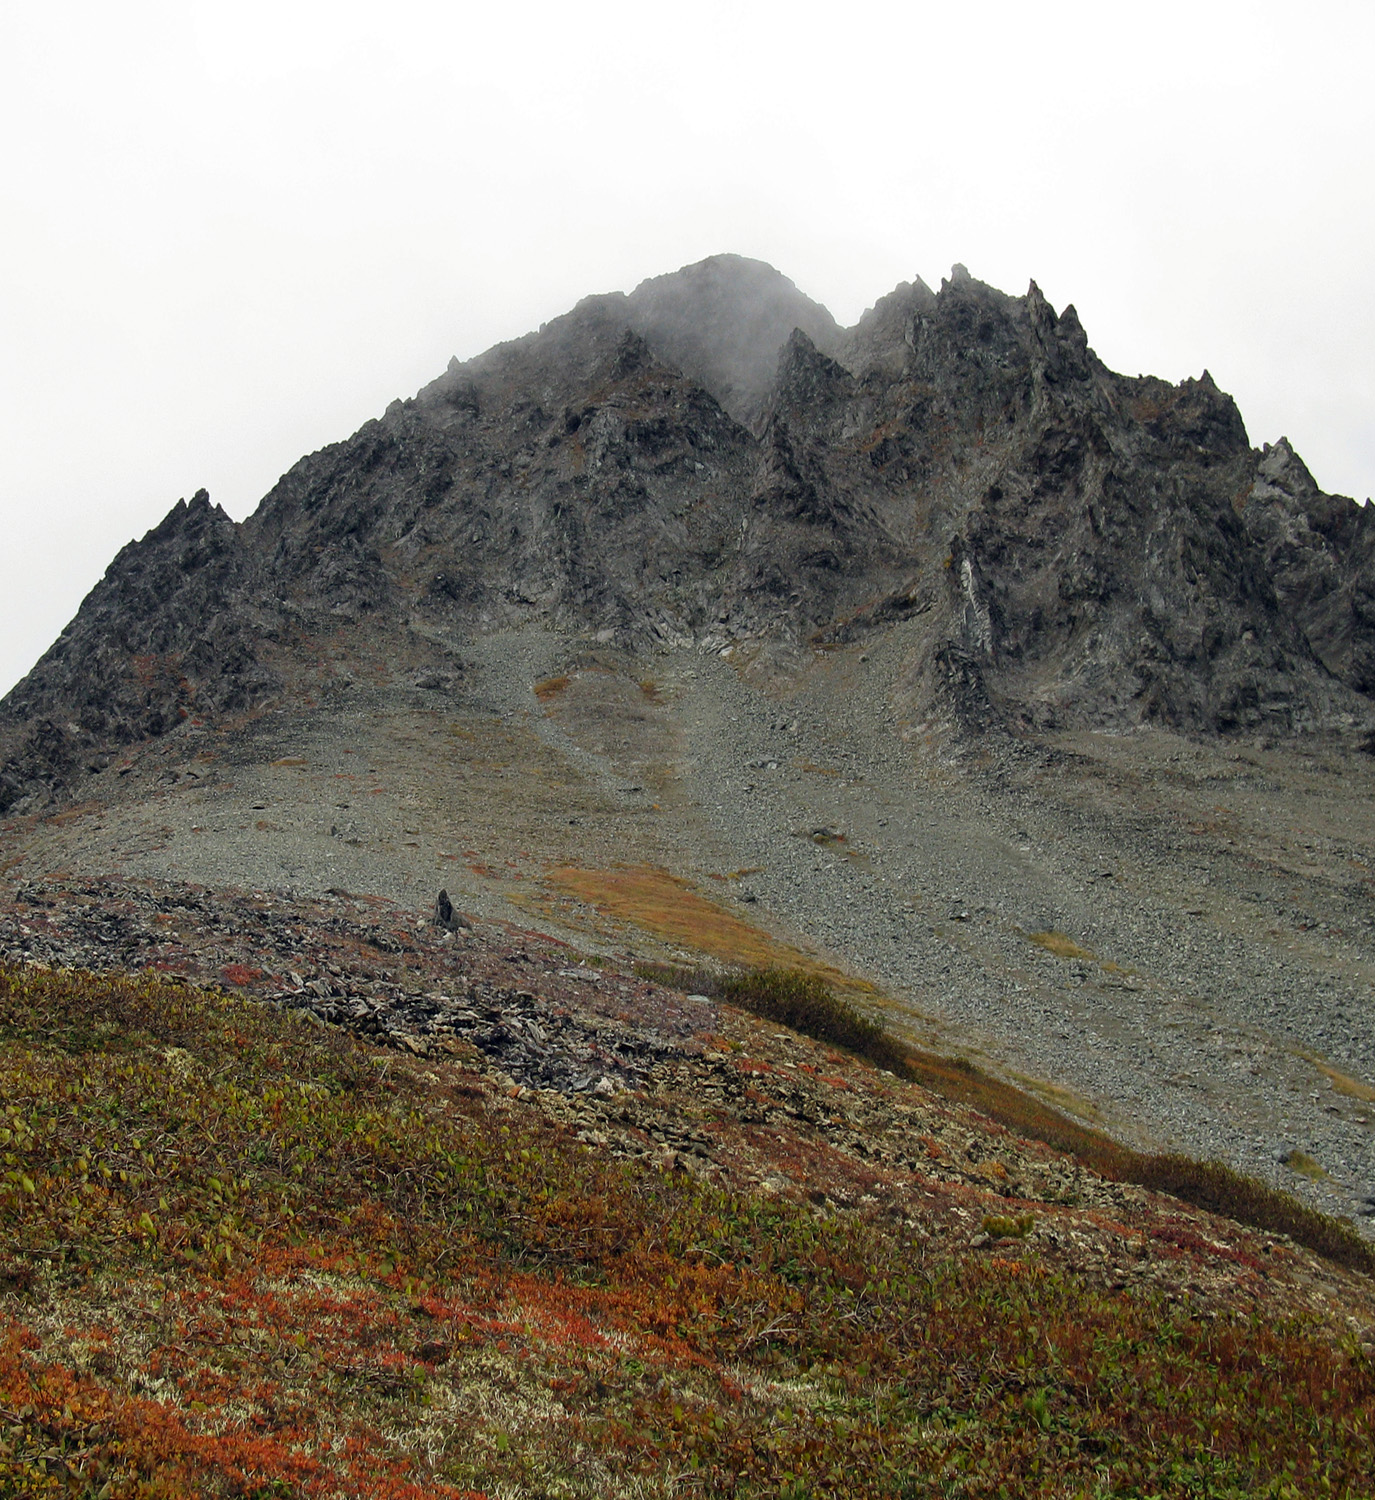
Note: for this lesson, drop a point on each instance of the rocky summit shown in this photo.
(712, 460)
(1028, 697)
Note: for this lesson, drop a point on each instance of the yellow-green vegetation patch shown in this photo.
(240, 1259)
(1060, 945)
(1300, 1162)
(1059, 1096)
(1343, 1083)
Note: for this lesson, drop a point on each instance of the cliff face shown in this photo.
(710, 459)
(1318, 552)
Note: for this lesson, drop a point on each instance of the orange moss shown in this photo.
(668, 907)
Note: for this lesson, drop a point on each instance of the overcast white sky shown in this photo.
(232, 232)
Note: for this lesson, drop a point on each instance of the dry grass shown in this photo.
(1353, 1088)
(72, 814)
(550, 688)
(1058, 1097)
(1060, 945)
(667, 906)
(807, 765)
(963, 1081)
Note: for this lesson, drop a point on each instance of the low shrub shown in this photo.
(808, 1005)
(1005, 1226)
(793, 998)
(1220, 1190)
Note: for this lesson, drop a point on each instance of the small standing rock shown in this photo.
(446, 916)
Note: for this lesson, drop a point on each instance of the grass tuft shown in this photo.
(550, 688)
(667, 906)
(1343, 1083)
(1305, 1165)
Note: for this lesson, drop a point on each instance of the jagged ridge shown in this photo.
(710, 459)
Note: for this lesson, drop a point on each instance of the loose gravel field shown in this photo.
(1173, 939)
